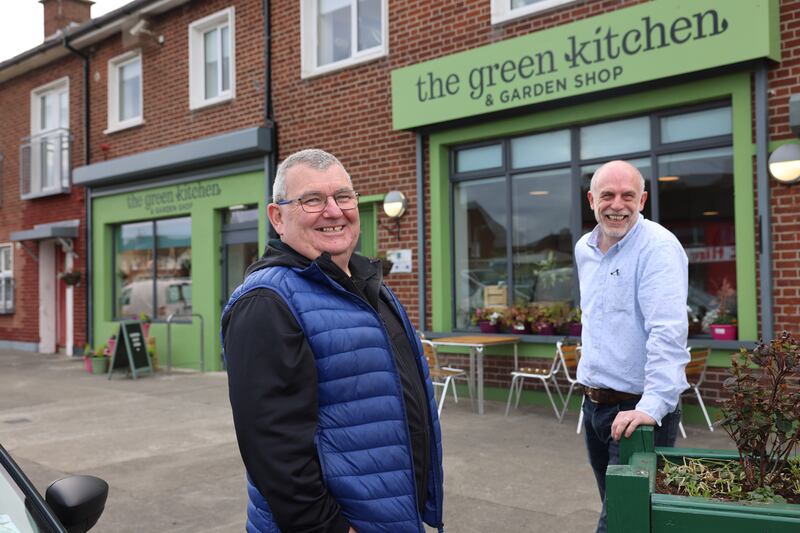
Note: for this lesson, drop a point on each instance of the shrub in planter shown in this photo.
(723, 326)
(487, 319)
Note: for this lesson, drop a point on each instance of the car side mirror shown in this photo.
(77, 501)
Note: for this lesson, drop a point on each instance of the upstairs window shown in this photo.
(212, 77)
(503, 10)
(125, 91)
(340, 33)
(6, 279)
(45, 155)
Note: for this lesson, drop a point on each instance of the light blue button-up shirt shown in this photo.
(633, 305)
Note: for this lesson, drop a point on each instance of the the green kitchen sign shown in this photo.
(646, 42)
(172, 200)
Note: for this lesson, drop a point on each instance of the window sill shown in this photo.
(113, 128)
(342, 65)
(503, 15)
(197, 106)
(44, 194)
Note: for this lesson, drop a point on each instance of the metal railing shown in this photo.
(45, 164)
(202, 340)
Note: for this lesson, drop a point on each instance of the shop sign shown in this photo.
(646, 42)
(711, 254)
(171, 200)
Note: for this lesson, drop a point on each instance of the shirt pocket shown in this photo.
(619, 292)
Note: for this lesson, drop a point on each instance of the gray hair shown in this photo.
(617, 162)
(311, 157)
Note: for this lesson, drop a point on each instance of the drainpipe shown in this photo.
(271, 161)
(765, 227)
(87, 159)
(421, 281)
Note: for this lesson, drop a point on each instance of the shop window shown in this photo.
(6, 279)
(45, 155)
(125, 91)
(503, 10)
(340, 33)
(153, 269)
(212, 72)
(517, 217)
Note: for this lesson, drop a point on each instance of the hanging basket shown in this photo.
(71, 278)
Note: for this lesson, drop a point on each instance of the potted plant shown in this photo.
(487, 319)
(144, 318)
(753, 488)
(111, 344)
(723, 324)
(572, 323)
(519, 320)
(547, 318)
(99, 360)
(71, 278)
(88, 353)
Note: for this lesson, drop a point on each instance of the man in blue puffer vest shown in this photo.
(332, 401)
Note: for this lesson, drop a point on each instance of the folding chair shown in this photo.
(564, 360)
(695, 374)
(441, 376)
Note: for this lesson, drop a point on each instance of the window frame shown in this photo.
(4, 275)
(309, 17)
(36, 169)
(503, 12)
(114, 66)
(507, 172)
(197, 30)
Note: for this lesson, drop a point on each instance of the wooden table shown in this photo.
(476, 344)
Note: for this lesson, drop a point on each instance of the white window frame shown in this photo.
(38, 133)
(502, 11)
(197, 29)
(308, 40)
(114, 66)
(4, 275)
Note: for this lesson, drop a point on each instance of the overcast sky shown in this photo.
(22, 23)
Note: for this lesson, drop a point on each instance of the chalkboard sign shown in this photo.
(130, 352)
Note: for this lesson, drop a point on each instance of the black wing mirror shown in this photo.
(77, 501)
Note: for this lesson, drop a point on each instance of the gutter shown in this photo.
(271, 163)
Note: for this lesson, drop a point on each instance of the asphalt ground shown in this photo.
(166, 446)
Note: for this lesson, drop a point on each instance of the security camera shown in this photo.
(140, 27)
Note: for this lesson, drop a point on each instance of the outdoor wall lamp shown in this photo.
(394, 205)
(784, 163)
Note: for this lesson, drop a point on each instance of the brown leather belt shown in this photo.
(609, 396)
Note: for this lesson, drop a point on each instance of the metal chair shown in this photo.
(441, 376)
(695, 374)
(564, 361)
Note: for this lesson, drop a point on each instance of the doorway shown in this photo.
(239, 247)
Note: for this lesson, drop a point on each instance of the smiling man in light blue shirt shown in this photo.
(633, 281)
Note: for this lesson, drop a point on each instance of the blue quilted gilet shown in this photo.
(362, 437)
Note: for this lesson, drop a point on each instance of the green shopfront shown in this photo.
(172, 231)
(515, 130)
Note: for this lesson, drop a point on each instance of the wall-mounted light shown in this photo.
(394, 205)
(784, 163)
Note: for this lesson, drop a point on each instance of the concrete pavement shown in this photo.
(166, 446)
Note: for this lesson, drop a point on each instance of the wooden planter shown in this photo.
(633, 504)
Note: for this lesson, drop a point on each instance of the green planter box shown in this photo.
(633, 505)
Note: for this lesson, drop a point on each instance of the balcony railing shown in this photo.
(6, 296)
(45, 164)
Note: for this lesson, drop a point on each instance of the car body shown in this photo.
(71, 505)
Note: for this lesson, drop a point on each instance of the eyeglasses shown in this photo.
(315, 202)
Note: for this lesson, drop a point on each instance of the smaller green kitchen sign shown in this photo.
(646, 42)
(167, 201)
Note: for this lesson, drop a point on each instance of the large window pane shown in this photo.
(225, 45)
(334, 31)
(696, 204)
(542, 240)
(480, 244)
(212, 66)
(541, 149)
(588, 220)
(696, 125)
(483, 157)
(130, 84)
(613, 138)
(174, 267)
(133, 280)
(369, 24)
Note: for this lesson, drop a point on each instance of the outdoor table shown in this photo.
(476, 344)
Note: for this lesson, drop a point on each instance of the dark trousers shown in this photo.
(604, 451)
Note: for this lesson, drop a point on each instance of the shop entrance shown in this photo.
(239, 247)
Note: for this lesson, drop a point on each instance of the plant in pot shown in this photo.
(723, 323)
(546, 317)
(88, 353)
(71, 278)
(572, 323)
(519, 320)
(487, 319)
(144, 318)
(754, 488)
(99, 360)
(111, 344)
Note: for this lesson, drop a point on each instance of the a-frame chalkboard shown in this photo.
(130, 352)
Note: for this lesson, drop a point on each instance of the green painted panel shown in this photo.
(204, 201)
(679, 519)
(646, 42)
(369, 229)
(627, 499)
(733, 86)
